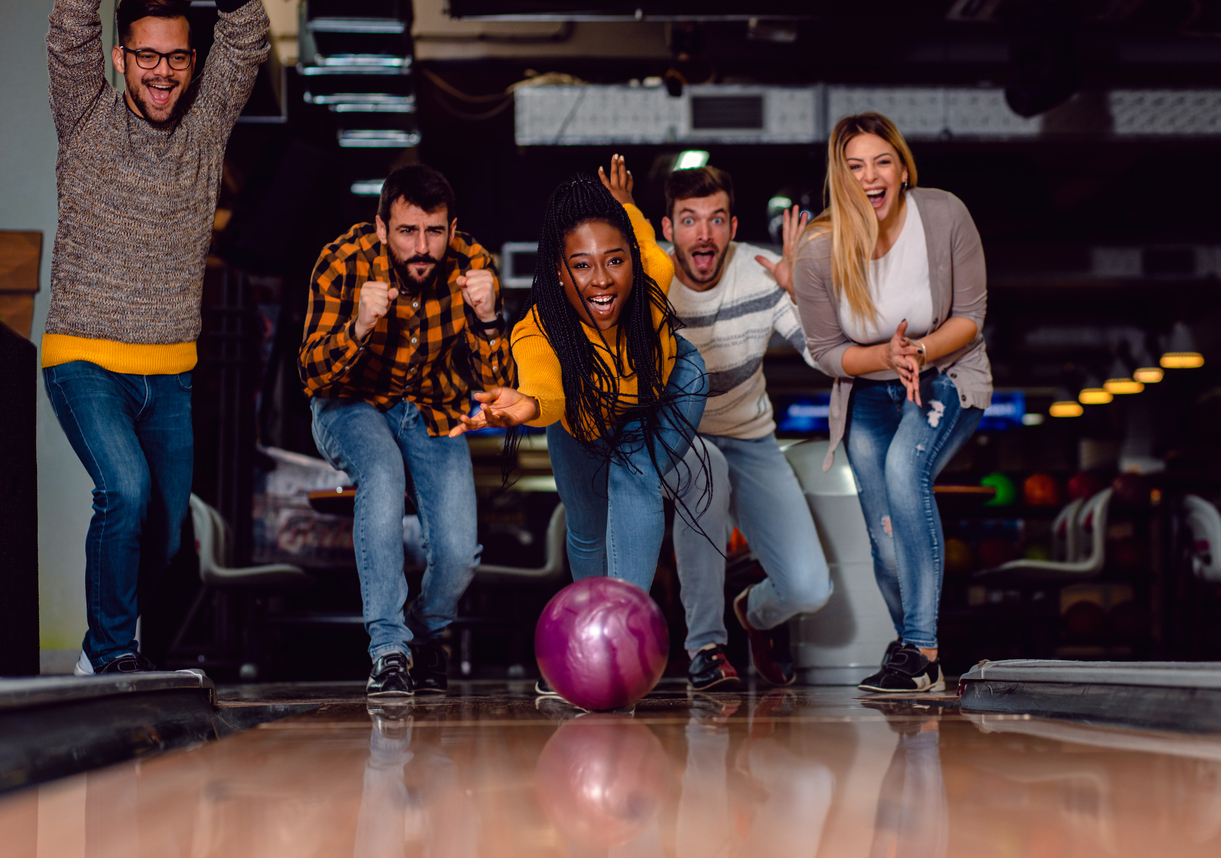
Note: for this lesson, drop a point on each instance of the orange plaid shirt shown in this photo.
(428, 350)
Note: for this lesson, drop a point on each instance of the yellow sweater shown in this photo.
(538, 368)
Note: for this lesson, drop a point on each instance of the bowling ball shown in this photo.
(995, 551)
(1083, 484)
(1084, 621)
(1041, 490)
(602, 643)
(958, 556)
(1131, 490)
(1037, 551)
(1006, 491)
(601, 780)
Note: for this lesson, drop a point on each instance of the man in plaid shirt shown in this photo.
(402, 312)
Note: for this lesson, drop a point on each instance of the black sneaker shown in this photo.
(127, 663)
(710, 668)
(543, 689)
(390, 677)
(429, 668)
(769, 648)
(874, 678)
(908, 672)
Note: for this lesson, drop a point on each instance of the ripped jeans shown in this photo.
(896, 450)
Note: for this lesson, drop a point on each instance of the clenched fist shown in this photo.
(375, 300)
(479, 291)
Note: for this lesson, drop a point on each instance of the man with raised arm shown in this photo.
(138, 174)
(732, 297)
(402, 312)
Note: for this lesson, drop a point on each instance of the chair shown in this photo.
(550, 572)
(1203, 523)
(1078, 526)
(233, 640)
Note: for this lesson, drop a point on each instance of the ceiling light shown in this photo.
(691, 159)
(1148, 374)
(1181, 350)
(1094, 396)
(1068, 408)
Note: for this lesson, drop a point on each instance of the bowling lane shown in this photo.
(490, 771)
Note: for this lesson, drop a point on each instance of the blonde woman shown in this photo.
(891, 289)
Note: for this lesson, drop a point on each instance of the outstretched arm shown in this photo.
(502, 407)
(74, 61)
(240, 46)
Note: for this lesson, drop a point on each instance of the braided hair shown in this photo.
(591, 377)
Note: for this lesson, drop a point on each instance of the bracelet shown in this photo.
(920, 351)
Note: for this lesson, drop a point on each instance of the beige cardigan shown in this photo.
(959, 286)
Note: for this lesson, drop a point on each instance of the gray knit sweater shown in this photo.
(137, 203)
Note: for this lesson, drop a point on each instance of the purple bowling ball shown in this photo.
(602, 643)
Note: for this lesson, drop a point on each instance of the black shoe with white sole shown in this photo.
(907, 672)
(390, 677)
(710, 669)
(874, 678)
(543, 688)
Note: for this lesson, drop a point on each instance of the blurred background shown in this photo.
(1082, 135)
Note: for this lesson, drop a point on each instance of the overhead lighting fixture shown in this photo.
(1181, 351)
(779, 203)
(1067, 408)
(1148, 374)
(691, 159)
(1034, 418)
(371, 188)
(1118, 381)
(1094, 396)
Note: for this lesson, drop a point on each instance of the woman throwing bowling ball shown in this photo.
(891, 289)
(602, 368)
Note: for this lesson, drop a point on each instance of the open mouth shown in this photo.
(161, 93)
(703, 259)
(603, 306)
(877, 197)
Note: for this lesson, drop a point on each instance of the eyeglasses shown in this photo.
(146, 58)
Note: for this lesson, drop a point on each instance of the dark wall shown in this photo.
(18, 507)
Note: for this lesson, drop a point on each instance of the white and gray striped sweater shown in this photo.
(731, 324)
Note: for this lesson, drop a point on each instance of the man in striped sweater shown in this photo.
(732, 297)
(138, 174)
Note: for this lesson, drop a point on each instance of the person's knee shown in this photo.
(810, 591)
(124, 496)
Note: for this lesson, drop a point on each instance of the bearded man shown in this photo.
(401, 312)
(138, 173)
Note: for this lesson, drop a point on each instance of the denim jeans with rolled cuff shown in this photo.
(133, 435)
(754, 486)
(896, 449)
(377, 450)
(616, 519)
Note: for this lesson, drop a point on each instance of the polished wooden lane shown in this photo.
(490, 771)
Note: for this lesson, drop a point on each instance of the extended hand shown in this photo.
(502, 407)
(479, 291)
(782, 270)
(618, 180)
(375, 300)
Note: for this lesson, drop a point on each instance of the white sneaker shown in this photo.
(83, 666)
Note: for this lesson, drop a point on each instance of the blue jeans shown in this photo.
(614, 510)
(133, 435)
(372, 447)
(896, 450)
(753, 485)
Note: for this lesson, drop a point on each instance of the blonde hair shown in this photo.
(848, 216)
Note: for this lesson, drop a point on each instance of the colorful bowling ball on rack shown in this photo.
(1041, 490)
(1084, 484)
(1006, 491)
(601, 643)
